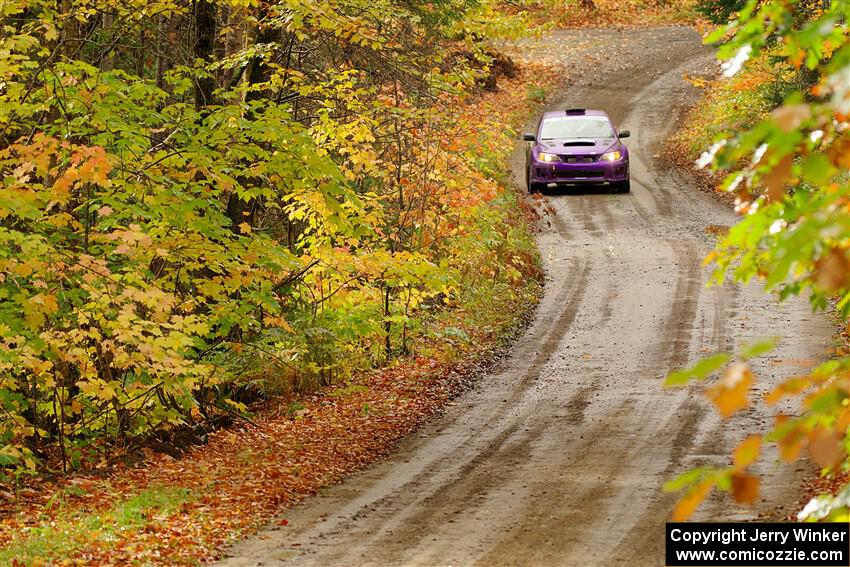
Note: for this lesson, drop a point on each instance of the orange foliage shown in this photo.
(246, 474)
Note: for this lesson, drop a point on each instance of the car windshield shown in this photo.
(594, 127)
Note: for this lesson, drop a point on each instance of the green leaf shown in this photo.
(757, 348)
(698, 371)
(817, 169)
(688, 478)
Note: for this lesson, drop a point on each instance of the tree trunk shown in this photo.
(107, 62)
(205, 14)
(240, 210)
(140, 54)
(70, 30)
(388, 350)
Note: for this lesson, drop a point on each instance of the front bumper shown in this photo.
(579, 173)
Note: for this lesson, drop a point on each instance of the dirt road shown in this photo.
(557, 458)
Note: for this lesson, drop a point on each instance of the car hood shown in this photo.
(578, 146)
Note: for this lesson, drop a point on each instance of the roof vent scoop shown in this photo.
(575, 111)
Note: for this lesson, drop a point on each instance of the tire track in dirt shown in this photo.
(561, 227)
(474, 481)
(678, 331)
(676, 338)
(508, 442)
(582, 213)
(483, 481)
(557, 457)
(525, 546)
(393, 541)
(654, 75)
(557, 321)
(687, 420)
(675, 341)
(656, 115)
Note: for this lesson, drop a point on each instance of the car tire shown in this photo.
(535, 187)
(624, 186)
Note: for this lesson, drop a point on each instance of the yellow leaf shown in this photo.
(842, 422)
(790, 443)
(747, 452)
(840, 152)
(34, 319)
(44, 303)
(278, 322)
(688, 504)
(22, 269)
(106, 392)
(730, 393)
(244, 228)
(789, 387)
(50, 304)
(50, 33)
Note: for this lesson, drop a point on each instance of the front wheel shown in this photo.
(624, 186)
(534, 188)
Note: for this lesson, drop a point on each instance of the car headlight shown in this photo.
(547, 157)
(612, 156)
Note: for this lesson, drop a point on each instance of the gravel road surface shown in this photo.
(558, 456)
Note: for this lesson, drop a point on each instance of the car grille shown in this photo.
(545, 173)
(578, 159)
(580, 174)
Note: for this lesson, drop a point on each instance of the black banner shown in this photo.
(695, 544)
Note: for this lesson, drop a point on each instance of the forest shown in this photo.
(207, 201)
(248, 246)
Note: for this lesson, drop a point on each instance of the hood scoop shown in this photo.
(579, 143)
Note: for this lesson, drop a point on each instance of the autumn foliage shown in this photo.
(213, 201)
(785, 159)
(597, 13)
(157, 506)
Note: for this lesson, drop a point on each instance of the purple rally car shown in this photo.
(577, 147)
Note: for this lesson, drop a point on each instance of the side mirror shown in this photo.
(529, 138)
(625, 133)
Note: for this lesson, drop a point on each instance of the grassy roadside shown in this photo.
(162, 510)
(69, 532)
(573, 13)
(727, 105)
